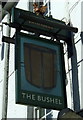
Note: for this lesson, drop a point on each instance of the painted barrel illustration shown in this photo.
(40, 65)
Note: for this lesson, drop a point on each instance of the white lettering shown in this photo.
(33, 97)
(41, 98)
(48, 100)
(23, 95)
(56, 100)
(52, 100)
(60, 102)
(28, 96)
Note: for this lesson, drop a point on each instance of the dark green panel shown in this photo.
(40, 72)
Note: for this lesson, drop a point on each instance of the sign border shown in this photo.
(19, 99)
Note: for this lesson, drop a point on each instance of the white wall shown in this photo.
(82, 56)
(57, 9)
(75, 16)
(60, 9)
(71, 9)
(14, 110)
(1, 82)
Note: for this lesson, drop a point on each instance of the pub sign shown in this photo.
(40, 72)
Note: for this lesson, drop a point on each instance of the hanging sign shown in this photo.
(40, 72)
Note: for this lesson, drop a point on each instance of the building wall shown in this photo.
(62, 10)
(13, 110)
(75, 16)
(1, 83)
(71, 10)
(81, 55)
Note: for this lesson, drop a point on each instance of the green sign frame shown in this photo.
(39, 93)
(29, 21)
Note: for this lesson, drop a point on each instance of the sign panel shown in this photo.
(40, 72)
